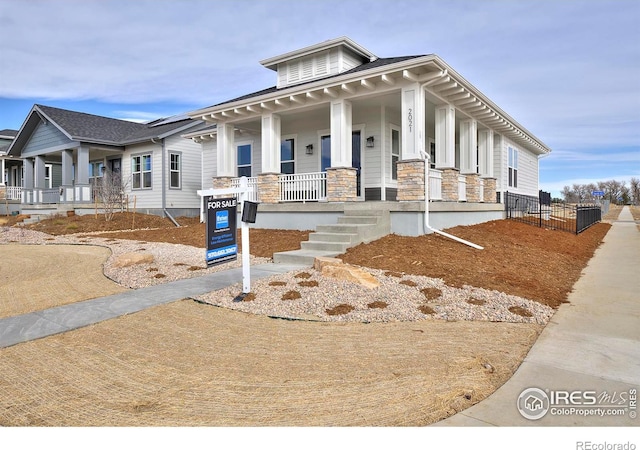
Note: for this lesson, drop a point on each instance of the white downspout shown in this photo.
(427, 157)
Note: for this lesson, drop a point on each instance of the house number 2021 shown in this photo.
(410, 119)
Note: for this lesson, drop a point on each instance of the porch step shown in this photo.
(332, 240)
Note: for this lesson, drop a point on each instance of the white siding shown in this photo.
(209, 163)
(144, 198)
(191, 155)
(527, 170)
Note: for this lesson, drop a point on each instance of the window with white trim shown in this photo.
(395, 152)
(513, 167)
(244, 160)
(287, 156)
(141, 171)
(175, 171)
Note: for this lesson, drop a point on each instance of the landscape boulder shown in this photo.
(338, 270)
(132, 259)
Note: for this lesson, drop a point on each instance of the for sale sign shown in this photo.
(222, 245)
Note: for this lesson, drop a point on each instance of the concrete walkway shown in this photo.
(39, 324)
(591, 344)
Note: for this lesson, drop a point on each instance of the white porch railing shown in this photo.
(14, 192)
(253, 186)
(435, 184)
(303, 187)
(481, 189)
(462, 188)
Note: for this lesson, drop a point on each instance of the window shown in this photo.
(141, 172)
(395, 152)
(175, 170)
(47, 175)
(244, 160)
(432, 153)
(325, 152)
(513, 167)
(287, 157)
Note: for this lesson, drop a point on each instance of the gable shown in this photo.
(45, 136)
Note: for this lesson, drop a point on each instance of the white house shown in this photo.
(65, 155)
(343, 130)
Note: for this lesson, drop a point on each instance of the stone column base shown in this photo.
(410, 180)
(268, 188)
(473, 188)
(222, 182)
(342, 184)
(489, 190)
(450, 185)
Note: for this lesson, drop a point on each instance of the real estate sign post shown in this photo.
(221, 230)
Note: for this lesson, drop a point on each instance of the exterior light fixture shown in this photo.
(309, 149)
(370, 142)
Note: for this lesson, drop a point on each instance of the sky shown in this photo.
(567, 70)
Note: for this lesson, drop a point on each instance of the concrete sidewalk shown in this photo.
(35, 325)
(591, 344)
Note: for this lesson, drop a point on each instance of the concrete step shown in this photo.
(364, 220)
(301, 257)
(345, 228)
(325, 246)
(349, 238)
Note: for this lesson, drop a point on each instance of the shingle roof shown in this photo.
(89, 127)
(8, 132)
(362, 67)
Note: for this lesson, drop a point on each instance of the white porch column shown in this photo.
(445, 137)
(413, 111)
(468, 146)
(2, 174)
(485, 152)
(226, 150)
(271, 143)
(341, 129)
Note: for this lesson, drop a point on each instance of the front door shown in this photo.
(356, 157)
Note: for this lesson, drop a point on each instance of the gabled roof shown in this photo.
(8, 133)
(93, 129)
(272, 63)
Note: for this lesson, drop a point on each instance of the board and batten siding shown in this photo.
(44, 137)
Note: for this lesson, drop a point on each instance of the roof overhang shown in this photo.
(272, 63)
(436, 76)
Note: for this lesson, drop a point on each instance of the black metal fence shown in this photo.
(542, 212)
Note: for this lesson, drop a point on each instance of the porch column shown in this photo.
(445, 122)
(445, 137)
(270, 143)
(413, 106)
(468, 146)
(82, 188)
(226, 150)
(40, 173)
(268, 186)
(67, 175)
(485, 153)
(341, 129)
(27, 193)
(485, 164)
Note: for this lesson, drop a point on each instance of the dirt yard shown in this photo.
(190, 364)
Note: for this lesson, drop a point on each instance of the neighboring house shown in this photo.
(10, 173)
(344, 130)
(66, 154)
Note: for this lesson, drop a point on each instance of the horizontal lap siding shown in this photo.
(191, 155)
(144, 198)
(527, 169)
(209, 163)
(44, 137)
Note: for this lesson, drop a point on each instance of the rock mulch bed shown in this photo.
(399, 297)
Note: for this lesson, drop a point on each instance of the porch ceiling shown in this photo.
(441, 82)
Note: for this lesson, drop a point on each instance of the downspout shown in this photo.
(427, 157)
(164, 182)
